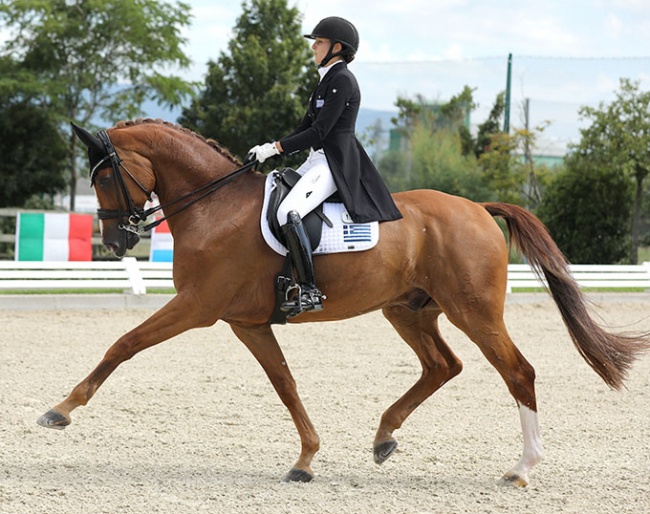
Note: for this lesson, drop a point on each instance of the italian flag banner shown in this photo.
(54, 237)
(162, 244)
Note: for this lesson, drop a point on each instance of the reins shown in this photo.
(135, 215)
(206, 190)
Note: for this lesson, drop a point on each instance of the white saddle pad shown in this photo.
(344, 236)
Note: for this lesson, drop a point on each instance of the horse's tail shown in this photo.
(610, 355)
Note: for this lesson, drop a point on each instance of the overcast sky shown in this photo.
(565, 53)
(453, 29)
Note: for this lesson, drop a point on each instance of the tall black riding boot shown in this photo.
(309, 297)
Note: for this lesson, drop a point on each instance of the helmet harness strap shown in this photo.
(330, 53)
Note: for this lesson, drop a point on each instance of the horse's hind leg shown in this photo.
(485, 326)
(262, 344)
(439, 365)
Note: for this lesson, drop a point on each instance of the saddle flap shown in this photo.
(283, 182)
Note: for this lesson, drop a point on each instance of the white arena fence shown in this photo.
(127, 274)
(139, 277)
(593, 276)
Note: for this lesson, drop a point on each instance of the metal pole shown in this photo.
(506, 118)
(527, 125)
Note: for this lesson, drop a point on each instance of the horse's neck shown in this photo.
(179, 179)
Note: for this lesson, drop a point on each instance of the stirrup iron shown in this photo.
(303, 301)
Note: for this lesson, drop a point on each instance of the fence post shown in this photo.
(135, 277)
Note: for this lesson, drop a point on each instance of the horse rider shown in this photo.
(336, 160)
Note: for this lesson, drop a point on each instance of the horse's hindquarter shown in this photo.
(446, 246)
(462, 253)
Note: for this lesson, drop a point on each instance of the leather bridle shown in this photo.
(131, 216)
(128, 213)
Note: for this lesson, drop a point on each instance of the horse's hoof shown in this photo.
(382, 451)
(53, 419)
(512, 480)
(298, 475)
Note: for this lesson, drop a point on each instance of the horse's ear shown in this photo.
(88, 139)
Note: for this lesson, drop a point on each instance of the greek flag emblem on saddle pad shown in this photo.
(343, 236)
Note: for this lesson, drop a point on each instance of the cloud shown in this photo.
(613, 25)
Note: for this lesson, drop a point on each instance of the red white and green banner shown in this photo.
(54, 237)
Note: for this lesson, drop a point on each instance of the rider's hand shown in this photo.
(263, 152)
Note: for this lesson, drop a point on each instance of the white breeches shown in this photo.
(315, 186)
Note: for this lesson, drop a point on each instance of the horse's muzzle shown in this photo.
(121, 242)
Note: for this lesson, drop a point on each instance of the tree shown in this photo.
(500, 168)
(490, 127)
(513, 177)
(587, 209)
(435, 146)
(258, 91)
(441, 153)
(618, 139)
(33, 153)
(438, 162)
(394, 168)
(451, 116)
(454, 116)
(93, 58)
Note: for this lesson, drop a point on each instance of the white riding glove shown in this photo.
(263, 152)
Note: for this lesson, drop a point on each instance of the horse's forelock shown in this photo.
(211, 142)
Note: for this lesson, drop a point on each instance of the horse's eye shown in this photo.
(104, 182)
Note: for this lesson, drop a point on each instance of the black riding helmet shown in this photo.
(338, 30)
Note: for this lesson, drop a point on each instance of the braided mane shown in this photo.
(211, 142)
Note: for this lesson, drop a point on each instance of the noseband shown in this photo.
(134, 215)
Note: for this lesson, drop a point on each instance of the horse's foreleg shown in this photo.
(262, 344)
(171, 320)
(439, 365)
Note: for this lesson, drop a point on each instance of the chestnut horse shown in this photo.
(447, 255)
